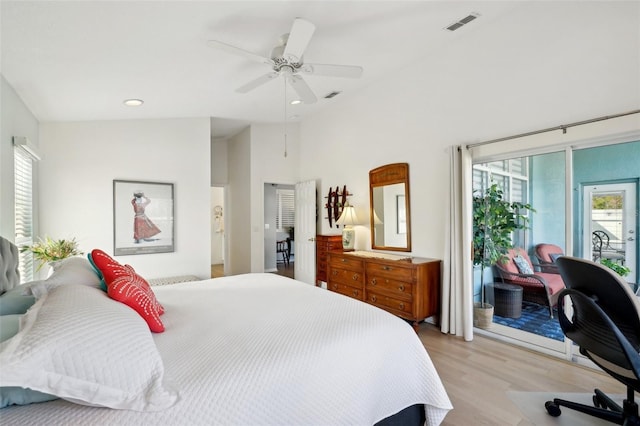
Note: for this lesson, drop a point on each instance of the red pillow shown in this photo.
(126, 286)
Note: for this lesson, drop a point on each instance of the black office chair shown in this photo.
(606, 326)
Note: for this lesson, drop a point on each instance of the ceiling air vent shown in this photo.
(331, 95)
(462, 22)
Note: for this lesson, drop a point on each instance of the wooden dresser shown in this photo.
(325, 244)
(408, 288)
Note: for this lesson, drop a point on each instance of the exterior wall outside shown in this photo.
(616, 163)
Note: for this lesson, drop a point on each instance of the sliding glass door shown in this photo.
(601, 204)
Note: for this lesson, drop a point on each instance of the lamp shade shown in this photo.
(348, 216)
(376, 219)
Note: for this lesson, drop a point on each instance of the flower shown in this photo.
(49, 250)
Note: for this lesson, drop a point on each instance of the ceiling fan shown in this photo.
(286, 60)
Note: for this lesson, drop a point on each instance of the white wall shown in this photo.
(80, 162)
(270, 206)
(219, 162)
(15, 120)
(269, 165)
(217, 226)
(239, 202)
(460, 96)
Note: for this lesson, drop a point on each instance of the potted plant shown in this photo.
(48, 250)
(619, 269)
(494, 220)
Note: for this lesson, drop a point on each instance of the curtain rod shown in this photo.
(562, 127)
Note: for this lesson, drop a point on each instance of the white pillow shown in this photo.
(72, 270)
(80, 345)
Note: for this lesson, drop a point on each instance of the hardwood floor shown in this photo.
(478, 374)
(285, 270)
(217, 270)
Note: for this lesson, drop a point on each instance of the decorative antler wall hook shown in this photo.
(336, 199)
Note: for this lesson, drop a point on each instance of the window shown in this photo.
(285, 215)
(512, 177)
(23, 210)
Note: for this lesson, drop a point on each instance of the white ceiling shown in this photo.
(78, 60)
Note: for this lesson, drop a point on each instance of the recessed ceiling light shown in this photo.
(296, 102)
(133, 102)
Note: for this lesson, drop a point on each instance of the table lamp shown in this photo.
(348, 218)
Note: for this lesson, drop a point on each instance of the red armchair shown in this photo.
(547, 255)
(537, 287)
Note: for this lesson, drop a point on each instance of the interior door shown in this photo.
(610, 209)
(305, 264)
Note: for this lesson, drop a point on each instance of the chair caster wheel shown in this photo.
(552, 408)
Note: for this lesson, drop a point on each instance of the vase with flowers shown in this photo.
(47, 251)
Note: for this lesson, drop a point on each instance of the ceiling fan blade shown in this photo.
(299, 38)
(257, 82)
(350, 71)
(240, 52)
(302, 89)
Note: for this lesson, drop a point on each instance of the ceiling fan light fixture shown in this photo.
(133, 102)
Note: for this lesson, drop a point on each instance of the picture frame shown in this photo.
(143, 221)
(401, 209)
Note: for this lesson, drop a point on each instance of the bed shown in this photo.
(242, 350)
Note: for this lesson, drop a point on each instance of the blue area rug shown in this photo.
(535, 319)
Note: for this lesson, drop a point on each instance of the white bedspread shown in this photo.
(260, 349)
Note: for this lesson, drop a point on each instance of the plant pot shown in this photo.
(482, 315)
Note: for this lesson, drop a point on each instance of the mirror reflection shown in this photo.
(390, 218)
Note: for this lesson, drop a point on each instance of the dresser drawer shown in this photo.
(388, 270)
(347, 290)
(346, 276)
(345, 262)
(392, 304)
(394, 288)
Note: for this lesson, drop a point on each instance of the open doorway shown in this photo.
(279, 228)
(218, 240)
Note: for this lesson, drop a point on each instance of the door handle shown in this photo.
(630, 239)
(312, 239)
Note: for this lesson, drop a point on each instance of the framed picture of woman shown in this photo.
(142, 217)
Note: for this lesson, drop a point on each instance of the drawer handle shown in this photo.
(374, 298)
(334, 273)
(387, 268)
(401, 306)
(356, 292)
(355, 277)
(343, 259)
(401, 288)
(374, 282)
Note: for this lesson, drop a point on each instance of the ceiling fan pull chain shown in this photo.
(285, 117)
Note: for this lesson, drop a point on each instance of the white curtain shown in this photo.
(457, 285)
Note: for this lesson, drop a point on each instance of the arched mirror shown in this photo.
(390, 215)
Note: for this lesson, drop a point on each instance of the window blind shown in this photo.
(23, 210)
(285, 216)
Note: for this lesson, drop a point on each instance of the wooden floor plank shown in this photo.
(477, 376)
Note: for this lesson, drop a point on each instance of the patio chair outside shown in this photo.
(537, 287)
